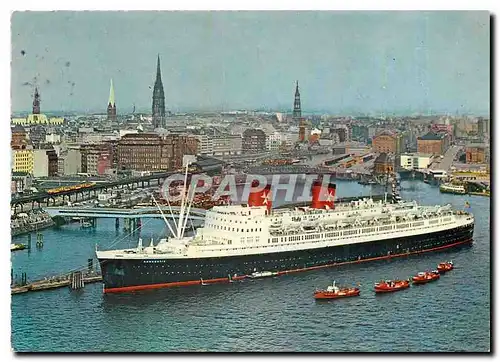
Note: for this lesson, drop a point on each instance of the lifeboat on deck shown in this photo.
(445, 267)
(334, 292)
(387, 286)
(425, 277)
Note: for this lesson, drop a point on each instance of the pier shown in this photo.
(58, 282)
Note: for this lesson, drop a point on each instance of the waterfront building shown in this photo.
(434, 143)
(254, 141)
(158, 108)
(414, 161)
(111, 111)
(388, 142)
(475, 153)
(383, 164)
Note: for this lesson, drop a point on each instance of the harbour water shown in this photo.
(276, 314)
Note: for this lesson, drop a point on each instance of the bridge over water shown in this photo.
(100, 212)
(131, 183)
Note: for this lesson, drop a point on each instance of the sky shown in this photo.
(345, 62)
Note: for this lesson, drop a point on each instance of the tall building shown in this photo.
(254, 141)
(388, 142)
(90, 154)
(111, 103)
(151, 152)
(434, 143)
(19, 140)
(22, 160)
(158, 100)
(36, 102)
(475, 153)
(297, 112)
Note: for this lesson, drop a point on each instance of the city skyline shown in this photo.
(346, 62)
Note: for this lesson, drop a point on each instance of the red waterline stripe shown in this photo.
(221, 280)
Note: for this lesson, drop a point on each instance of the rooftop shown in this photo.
(417, 154)
(388, 132)
(19, 174)
(432, 136)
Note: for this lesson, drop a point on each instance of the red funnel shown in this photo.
(260, 198)
(323, 196)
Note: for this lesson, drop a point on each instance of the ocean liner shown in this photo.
(239, 240)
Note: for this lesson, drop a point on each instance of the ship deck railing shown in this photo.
(385, 222)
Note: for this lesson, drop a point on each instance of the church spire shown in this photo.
(111, 103)
(36, 102)
(297, 112)
(158, 71)
(158, 108)
(111, 94)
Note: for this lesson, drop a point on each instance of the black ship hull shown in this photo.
(122, 275)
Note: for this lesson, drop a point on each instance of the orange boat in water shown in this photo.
(445, 267)
(334, 292)
(387, 286)
(425, 277)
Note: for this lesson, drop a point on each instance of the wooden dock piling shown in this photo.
(77, 280)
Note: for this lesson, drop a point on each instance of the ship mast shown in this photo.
(188, 210)
(163, 215)
(171, 213)
(183, 203)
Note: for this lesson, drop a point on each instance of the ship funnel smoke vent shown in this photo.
(261, 197)
(323, 195)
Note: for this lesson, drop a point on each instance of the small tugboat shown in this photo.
(387, 286)
(334, 292)
(445, 267)
(264, 274)
(425, 277)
